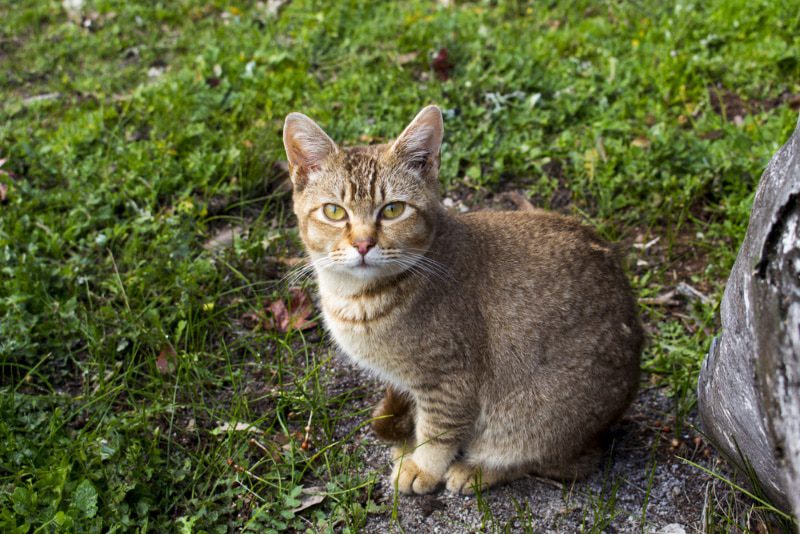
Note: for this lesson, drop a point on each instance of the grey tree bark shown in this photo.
(749, 387)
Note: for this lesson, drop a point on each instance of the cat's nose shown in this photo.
(363, 245)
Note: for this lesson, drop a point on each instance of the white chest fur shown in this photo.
(362, 327)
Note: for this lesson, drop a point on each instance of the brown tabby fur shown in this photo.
(510, 340)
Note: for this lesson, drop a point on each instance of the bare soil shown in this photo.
(645, 486)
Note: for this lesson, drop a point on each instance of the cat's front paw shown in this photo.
(410, 479)
(464, 479)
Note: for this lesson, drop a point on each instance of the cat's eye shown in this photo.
(393, 210)
(334, 212)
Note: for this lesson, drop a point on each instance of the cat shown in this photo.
(510, 340)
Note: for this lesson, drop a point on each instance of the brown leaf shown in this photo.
(301, 310)
(442, 65)
(280, 316)
(3, 192)
(641, 142)
(166, 360)
(294, 316)
(250, 320)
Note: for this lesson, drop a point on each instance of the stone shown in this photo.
(749, 385)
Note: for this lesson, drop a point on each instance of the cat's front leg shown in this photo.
(422, 469)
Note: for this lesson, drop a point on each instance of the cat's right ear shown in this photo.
(307, 145)
(419, 144)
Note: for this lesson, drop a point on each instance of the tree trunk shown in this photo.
(749, 387)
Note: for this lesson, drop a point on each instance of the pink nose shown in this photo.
(363, 245)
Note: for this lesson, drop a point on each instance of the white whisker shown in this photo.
(300, 274)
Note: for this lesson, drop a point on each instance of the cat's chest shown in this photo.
(370, 331)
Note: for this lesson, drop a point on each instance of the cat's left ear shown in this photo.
(418, 146)
(307, 146)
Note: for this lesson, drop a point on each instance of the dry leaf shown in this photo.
(310, 497)
(442, 65)
(3, 192)
(294, 316)
(166, 360)
(641, 142)
(274, 7)
(407, 58)
(223, 239)
(250, 320)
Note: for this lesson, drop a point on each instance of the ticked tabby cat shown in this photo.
(510, 340)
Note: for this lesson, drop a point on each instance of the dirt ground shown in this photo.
(644, 466)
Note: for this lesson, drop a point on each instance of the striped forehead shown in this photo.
(360, 173)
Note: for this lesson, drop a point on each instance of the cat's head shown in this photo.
(366, 212)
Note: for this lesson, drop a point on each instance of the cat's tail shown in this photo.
(393, 417)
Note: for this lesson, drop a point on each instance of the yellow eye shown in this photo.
(334, 212)
(393, 210)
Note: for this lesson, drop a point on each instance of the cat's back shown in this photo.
(537, 245)
(540, 276)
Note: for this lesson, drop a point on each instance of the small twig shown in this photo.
(647, 245)
(689, 292)
(305, 444)
(239, 469)
(41, 98)
(254, 441)
(662, 300)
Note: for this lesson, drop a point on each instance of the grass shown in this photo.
(132, 132)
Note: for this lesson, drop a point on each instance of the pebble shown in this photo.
(672, 528)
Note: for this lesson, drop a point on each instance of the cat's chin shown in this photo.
(366, 272)
(358, 274)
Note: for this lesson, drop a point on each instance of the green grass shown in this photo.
(135, 131)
